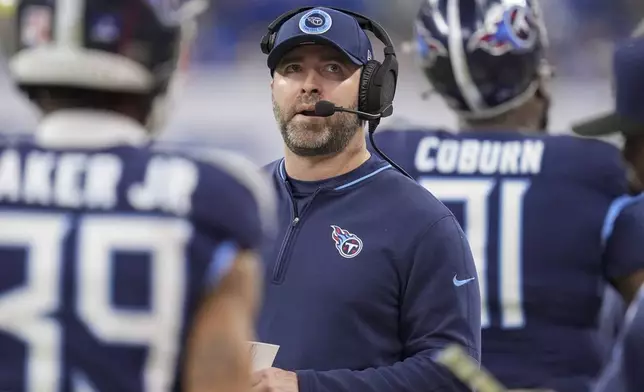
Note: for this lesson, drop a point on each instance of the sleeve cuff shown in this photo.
(221, 262)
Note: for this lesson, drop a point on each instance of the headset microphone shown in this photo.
(326, 109)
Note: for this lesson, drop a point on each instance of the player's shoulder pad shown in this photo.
(580, 143)
(620, 207)
(595, 156)
(248, 175)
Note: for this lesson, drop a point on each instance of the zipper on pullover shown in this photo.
(281, 266)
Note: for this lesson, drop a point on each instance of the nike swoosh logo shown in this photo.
(459, 283)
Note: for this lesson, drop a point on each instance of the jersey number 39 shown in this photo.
(27, 312)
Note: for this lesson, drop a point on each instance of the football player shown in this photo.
(121, 269)
(623, 232)
(533, 206)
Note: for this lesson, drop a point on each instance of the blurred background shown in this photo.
(226, 100)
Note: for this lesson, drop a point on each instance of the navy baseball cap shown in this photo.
(323, 26)
(628, 78)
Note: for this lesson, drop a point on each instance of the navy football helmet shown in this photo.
(122, 46)
(484, 57)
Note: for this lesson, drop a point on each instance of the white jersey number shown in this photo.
(474, 193)
(25, 312)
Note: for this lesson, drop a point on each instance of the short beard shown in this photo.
(328, 136)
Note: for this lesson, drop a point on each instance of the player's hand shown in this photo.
(274, 380)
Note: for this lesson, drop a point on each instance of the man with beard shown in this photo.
(373, 276)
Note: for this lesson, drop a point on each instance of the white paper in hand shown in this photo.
(263, 355)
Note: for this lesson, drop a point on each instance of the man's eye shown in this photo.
(292, 68)
(335, 68)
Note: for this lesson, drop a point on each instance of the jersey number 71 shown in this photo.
(475, 193)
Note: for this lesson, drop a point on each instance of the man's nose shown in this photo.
(312, 83)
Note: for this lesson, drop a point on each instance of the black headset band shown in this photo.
(364, 22)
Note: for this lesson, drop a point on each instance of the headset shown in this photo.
(378, 80)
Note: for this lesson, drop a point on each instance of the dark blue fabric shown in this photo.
(139, 274)
(624, 373)
(533, 208)
(628, 62)
(359, 292)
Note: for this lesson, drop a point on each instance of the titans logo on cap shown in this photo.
(315, 22)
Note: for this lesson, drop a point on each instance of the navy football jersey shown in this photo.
(105, 255)
(623, 237)
(533, 208)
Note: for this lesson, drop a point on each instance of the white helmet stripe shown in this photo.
(69, 27)
(461, 70)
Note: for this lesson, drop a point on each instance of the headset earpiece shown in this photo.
(378, 86)
(367, 100)
(387, 79)
(266, 48)
(268, 41)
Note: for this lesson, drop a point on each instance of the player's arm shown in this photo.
(624, 371)
(218, 357)
(239, 201)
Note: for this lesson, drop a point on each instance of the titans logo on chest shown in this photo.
(348, 244)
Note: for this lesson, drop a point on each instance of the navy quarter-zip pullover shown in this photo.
(371, 278)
